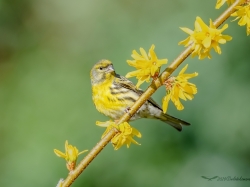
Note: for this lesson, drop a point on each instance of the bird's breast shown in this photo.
(110, 103)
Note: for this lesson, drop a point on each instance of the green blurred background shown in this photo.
(47, 49)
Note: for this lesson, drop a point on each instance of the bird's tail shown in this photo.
(174, 122)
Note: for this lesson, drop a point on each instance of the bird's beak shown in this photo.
(110, 69)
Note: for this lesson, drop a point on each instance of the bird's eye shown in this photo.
(100, 68)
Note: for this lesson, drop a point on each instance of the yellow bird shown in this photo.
(113, 95)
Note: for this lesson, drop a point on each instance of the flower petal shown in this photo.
(59, 153)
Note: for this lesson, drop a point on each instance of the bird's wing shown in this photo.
(124, 82)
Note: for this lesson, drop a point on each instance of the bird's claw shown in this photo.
(127, 111)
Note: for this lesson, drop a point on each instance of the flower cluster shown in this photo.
(147, 65)
(179, 88)
(243, 13)
(124, 136)
(71, 154)
(204, 38)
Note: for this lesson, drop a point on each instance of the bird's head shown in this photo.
(101, 71)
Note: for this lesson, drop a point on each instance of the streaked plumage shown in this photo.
(113, 95)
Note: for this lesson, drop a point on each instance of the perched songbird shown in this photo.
(113, 95)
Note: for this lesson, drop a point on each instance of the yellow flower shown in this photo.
(109, 124)
(179, 87)
(229, 2)
(204, 38)
(221, 2)
(124, 136)
(71, 154)
(243, 13)
(147, 65)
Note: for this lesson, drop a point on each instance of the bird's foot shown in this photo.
(127, 111)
